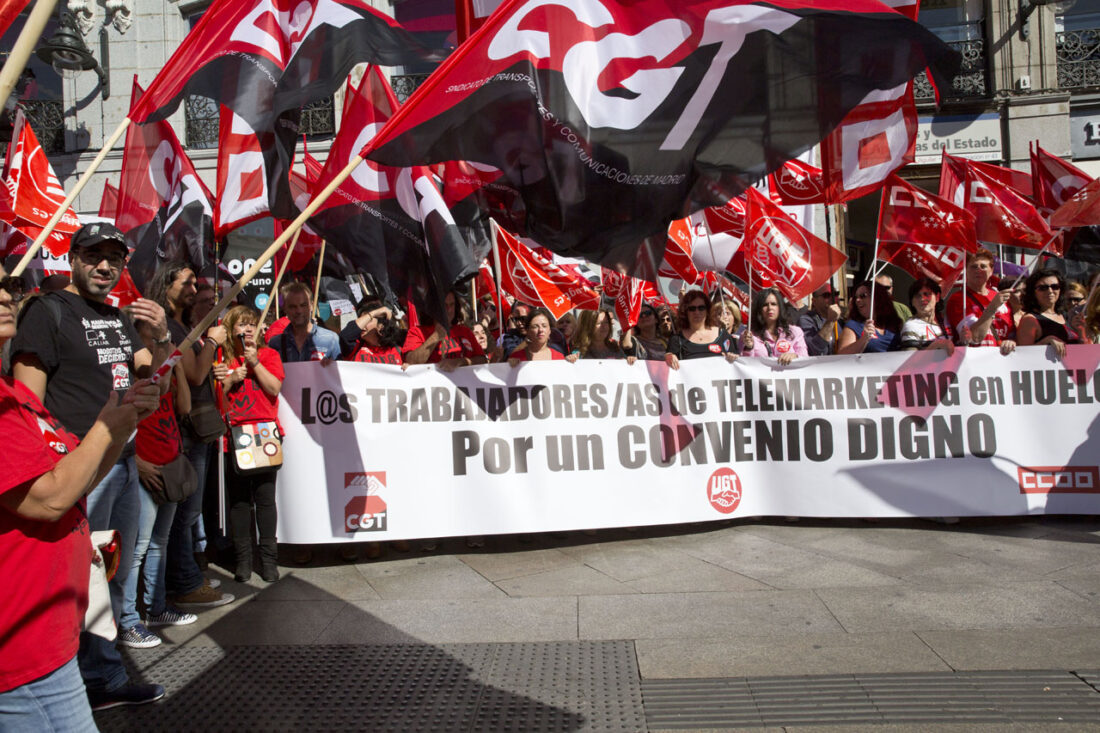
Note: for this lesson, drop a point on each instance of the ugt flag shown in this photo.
(612, 118)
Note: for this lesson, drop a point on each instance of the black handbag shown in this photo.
(179, 481)
(206, 421)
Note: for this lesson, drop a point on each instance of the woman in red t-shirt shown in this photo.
(45, 550)
(539, 323)
(251, 377)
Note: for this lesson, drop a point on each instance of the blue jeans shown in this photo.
(114, 504)
(155, 520)
(54, 702)
(183, 574)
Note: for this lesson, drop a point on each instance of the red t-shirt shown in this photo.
(460, 341)
(522, 355)
(247, 402)
(377, 354)
(44, 564)
(158, 436)
(1003, 326)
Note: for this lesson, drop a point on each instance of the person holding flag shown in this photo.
(769, 333)
(924, 330)
(865, 331)
(981, 316)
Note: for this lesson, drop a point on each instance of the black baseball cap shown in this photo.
(95, 233)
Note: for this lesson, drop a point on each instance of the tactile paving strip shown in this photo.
(963, 697)
(552, 686)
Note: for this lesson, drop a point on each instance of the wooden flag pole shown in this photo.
(496, 266)
(274, 297)
(271, 251)
(317, 282)
(80, 184)
(24, 46)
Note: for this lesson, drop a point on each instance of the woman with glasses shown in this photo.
(1044, 321)
(644, 341)
(864, 333)
(45, 552)
(727, 315)
(699, 335)
(769, 333)
(1074, 296)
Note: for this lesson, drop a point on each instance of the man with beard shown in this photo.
(173, 286)
(72, 350)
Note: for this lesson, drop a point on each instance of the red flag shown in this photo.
(628, 294)
(798, 183)
(727, 219)
(953, 174)
(783, 254)
(531, 278)
(1055, 180)
(163, 206)
(939, 262)
(309, 241)
(713, 282)
(34, 193)
(241, 183)
(108, 205)
(9, 11)
(909, 215)
(677, 261)
(1003, 216)
(610, 120)
(261, 58)
(391, 222)
(1082, 209)
(124, 292)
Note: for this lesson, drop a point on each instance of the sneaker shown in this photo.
(211, 582)
(171, 617)
(204, 597)
(138, 637)
(130, 694)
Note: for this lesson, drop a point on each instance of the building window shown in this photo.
(1077, 39)
(960, 24)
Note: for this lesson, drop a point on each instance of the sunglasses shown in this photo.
(115, 259)
(647, 313)
(828, 295)
(1076, 301)
(16, 287)
(1045, 288)
(696, 308)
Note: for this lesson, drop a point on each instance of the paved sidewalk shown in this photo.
(649, 629)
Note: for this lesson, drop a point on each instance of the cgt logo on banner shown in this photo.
(724, 490)
(365, 512)
(1059, 479)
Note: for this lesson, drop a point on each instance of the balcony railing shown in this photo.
(1078, 59)
(405, 84)
(47, 119)
(201, 115)
(972, 81)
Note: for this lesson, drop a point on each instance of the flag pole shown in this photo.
(496, 267)
(24, 46)
(317, 282)
(710, 246)
(878, 229)
(274, 297)
(262, 260)
(80, 184)
(1038, 254)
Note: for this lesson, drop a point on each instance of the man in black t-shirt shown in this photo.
(72, 350)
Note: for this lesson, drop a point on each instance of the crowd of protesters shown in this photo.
(75, 391)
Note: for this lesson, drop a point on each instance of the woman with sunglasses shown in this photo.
(644, 341)
(864, 333)
(45, 552)
(699, 335)
(1044, 321)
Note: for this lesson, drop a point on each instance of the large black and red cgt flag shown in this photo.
(163, 206)
(612, 118)
(390, 222)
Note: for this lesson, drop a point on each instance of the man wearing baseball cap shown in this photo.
(72, 349)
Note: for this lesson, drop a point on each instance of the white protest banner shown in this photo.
(375, 453)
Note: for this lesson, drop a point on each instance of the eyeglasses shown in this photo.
(827, 295)
(1076, 301)
(16, 287)
(696, 308)
(1044, 288)
(115, 259)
